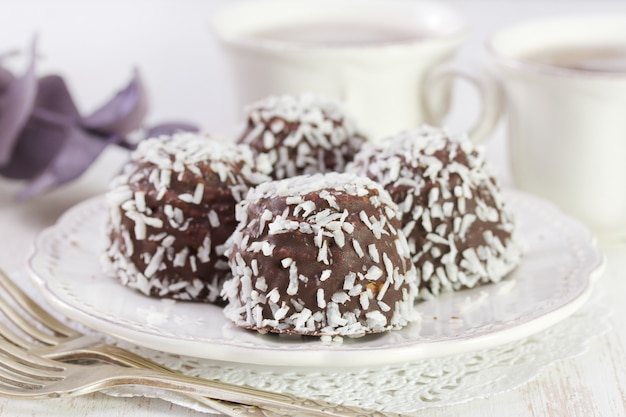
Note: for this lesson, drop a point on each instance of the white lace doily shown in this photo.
(410, 387)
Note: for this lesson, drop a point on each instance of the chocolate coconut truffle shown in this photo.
(459, 229)
(304, 134)
(170, 212)
(320, 255)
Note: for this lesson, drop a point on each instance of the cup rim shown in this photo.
(521, 63)
(459, 30)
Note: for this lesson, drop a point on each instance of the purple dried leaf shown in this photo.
(169, 128)
(53, 96)
(43, 137)
(45, 132)
(16, 102)
(6, 77)
(78, 151)
(38, 143)
(161, 129)
(123, 113)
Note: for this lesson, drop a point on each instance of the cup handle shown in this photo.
(488, 89)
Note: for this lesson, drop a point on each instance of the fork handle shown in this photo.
(279, 402)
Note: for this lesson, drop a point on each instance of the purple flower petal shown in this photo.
(76, 154)
(123, 113)
(16, 103)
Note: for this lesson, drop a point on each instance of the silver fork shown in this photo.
(26, 375)
(44, 335)
(36, 368)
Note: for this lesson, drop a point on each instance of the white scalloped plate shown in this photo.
(553, 281)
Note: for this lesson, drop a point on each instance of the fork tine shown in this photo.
(10, 382)
(16, 339)
(19, 369)
(43, 378)
(75, 347)
(23, 324)
(14, 354)
(31, 308)
(28, 373)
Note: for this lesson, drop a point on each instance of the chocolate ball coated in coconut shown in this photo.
(300, 134)
(171, 210)
(320, 255)
(459, 229)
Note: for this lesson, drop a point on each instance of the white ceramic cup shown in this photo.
(567, 120)
(384, 59)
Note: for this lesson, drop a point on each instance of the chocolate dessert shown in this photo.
(303, 134)
(320, 255)
(459, 230)
(170, 212)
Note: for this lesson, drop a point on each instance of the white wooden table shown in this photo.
(95, 45)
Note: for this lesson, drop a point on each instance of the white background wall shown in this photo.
(96, 45)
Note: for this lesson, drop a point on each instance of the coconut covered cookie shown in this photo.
(300, 134)
(459, 229)
(320, 255)
(170, 212)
